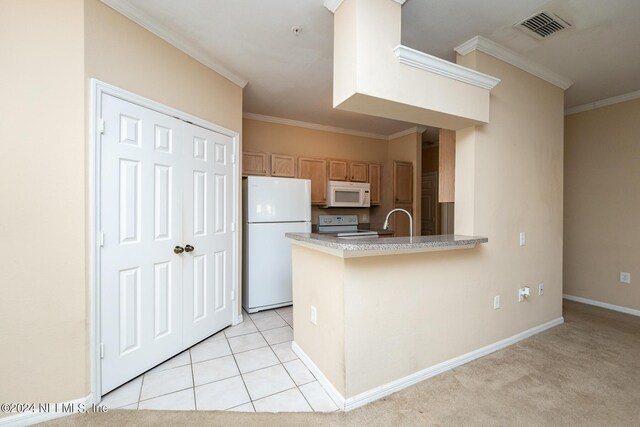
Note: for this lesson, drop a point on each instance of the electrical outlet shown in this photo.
(496, 302)
(541, 289)
(314, 315)
(625, 277)
(523, 238)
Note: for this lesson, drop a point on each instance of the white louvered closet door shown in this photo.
(165, 184)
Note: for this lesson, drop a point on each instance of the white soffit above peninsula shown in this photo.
(332, 5)
(405, 84)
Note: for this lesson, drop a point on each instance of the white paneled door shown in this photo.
(207, 232)
(166, 260)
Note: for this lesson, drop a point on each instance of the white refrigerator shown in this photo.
(271, 207)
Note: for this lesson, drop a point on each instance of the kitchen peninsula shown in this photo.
(373, 316)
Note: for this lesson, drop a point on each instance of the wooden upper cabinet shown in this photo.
(316, 171)
(402, 182)
(338, 170)
(374, 180)
(283, 166)
(358, 172)
(254, 163)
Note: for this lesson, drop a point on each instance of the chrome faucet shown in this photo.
(386, 220)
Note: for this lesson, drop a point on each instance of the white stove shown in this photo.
(343, 226)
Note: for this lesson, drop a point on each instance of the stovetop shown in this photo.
(342, 226)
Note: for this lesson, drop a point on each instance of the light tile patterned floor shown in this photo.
(248, 367)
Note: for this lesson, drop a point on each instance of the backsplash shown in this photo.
(363, 213)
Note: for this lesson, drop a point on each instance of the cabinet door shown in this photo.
(401, 223)
(358, 172)
(374, 180)
(254, 163)
(316, 171)
(338, 170)
(283, 165)
(403, 182)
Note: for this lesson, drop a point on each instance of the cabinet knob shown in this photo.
(189, 248)
(178, 249)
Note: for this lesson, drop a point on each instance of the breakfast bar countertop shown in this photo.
(351, 248)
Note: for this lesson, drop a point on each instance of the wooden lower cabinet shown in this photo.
(254, 163)
(374, 180)
(316, 171)
(283, 166)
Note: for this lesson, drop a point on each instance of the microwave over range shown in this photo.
(341, 194)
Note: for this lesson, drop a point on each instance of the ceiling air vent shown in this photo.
(543, 24)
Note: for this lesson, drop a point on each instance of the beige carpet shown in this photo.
(585, 372)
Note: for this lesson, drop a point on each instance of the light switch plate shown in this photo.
(625, 277)
(523, 238)
(314, 315)
(496, 302)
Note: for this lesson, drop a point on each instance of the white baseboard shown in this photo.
(397, 385)
(322, 379)
(35, 417)
(613, 307)
(239, 319)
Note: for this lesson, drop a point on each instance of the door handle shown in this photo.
(189, 248)
(178, 249)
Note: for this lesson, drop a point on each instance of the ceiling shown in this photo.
(290, 76)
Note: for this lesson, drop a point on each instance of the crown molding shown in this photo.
(134, 14)
(603, 103)
(436, 65)
(411, 130)
(314, 126)
(494, 49)
(333, 5)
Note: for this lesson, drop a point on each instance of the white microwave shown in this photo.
(341, 194)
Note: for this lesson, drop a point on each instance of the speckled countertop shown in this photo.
(386, 245)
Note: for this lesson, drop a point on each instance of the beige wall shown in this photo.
(121, 53)
(512, 170)
(601, 204)
(50, 51)
(297, 141)
(369, 79)
(43, 323)
(320, 277)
